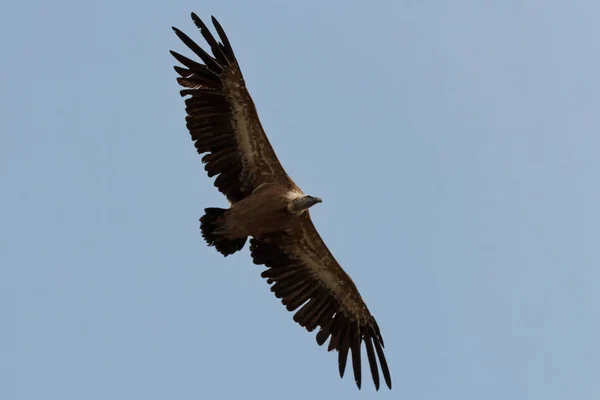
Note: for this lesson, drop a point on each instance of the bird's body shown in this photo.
(268, 207)
(265, 211)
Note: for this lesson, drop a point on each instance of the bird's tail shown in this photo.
(209, 223)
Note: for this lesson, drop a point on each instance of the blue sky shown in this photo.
(455, 145)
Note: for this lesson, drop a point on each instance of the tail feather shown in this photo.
(209, 223)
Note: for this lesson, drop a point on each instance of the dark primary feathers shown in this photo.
(223, 122)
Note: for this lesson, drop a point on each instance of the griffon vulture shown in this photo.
(266, 205)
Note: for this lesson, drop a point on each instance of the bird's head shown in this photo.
(302, 203)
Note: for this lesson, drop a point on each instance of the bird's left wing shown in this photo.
(305, 275)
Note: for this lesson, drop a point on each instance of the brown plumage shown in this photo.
(269, 207)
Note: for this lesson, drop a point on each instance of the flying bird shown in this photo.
(267, 206)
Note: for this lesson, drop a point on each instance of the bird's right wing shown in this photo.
(222, 118)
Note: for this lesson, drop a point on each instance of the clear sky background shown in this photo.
(455, 144)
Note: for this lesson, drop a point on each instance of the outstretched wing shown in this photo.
(305, 275)
(222, 118)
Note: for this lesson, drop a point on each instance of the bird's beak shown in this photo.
(315, 200)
